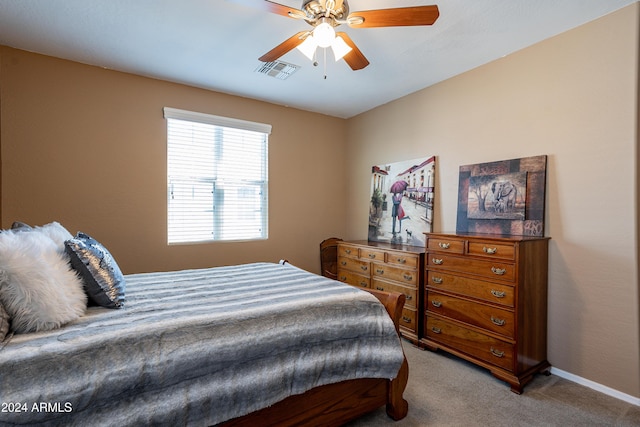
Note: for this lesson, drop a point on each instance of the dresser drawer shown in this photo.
(409, 319)
(391, 267)
(402, 275)
(349, 251)
(483, 316)
(490, 269)
(411, 292)
(354, 279)
(476, 344)
(368, 254)
(356, 265)
(492, 250)
(446, 244)
(403, 259)
(474, 288)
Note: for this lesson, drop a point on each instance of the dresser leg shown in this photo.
(516, 388)
(517, 383)
(427, 346)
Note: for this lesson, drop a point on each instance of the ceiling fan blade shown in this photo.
(284, 47)
(354, 58)
(398, 17)
(272, 7)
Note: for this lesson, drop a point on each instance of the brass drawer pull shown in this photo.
(364, 284)
(436, 303)
(406, 319)
(401, 261)
(380, 288)
(444, 245)
(436, 330)
(498, 294)
(408, 276)
(379, 270)
(437, 261)
(348, 251)
(497, 353)
(364, 267)
(343, 262)
(498, 322)
(372, 256)
(437, 280)
(489, 251)
(343, 278)
(409, 297)
(498, 271)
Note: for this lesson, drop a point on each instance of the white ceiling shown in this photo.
(214, 44)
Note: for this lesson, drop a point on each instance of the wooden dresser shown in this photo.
(486, 302)
(387, 267)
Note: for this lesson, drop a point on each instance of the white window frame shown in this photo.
(229, 203)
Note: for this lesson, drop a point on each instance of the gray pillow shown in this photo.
(20, 226)
(4, 322)
(103, 281)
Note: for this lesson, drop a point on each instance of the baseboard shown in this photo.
(595, 386)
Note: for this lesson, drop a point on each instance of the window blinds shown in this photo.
(217, 178)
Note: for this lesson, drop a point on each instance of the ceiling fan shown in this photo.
(326, 15)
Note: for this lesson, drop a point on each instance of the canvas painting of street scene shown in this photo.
(401, 204)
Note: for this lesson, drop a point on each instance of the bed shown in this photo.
(250, 344)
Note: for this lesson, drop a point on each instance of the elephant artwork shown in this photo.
(505, 195)
(497, 196)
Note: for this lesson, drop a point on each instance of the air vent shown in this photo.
(278, 69)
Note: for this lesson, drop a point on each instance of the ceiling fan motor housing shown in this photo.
(316, 9)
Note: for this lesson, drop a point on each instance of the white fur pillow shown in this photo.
(38, 288)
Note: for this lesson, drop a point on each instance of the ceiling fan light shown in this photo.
(340, 48)
(324, 34)
(308, 47)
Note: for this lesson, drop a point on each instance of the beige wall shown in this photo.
(87, 147)
(573, 97)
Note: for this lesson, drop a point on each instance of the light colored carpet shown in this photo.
(446, 391)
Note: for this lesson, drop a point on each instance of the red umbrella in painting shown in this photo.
(398, 187)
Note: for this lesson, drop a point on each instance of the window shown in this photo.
(217, 178)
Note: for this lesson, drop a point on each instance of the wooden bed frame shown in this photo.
(336, 404)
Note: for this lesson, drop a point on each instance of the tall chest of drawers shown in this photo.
(387, 267)
(486, 302)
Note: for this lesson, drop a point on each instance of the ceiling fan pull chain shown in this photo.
(325, 62)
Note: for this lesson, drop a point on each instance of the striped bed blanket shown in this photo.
(198, 347)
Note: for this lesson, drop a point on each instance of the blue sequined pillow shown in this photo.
(103, 280)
